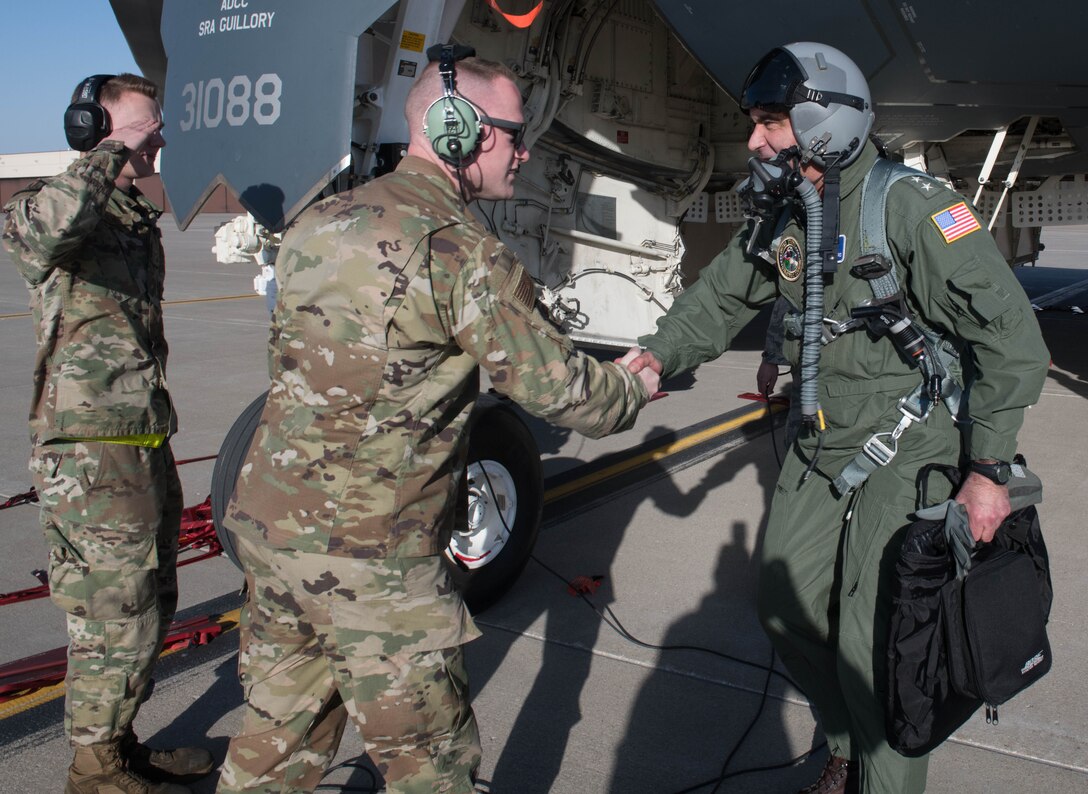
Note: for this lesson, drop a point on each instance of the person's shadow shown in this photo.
(197, 721)
(647, 758)
(533, 752)
(682, 734)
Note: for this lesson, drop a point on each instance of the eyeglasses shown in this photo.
(518, 128)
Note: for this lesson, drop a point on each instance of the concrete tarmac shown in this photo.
(566, 703)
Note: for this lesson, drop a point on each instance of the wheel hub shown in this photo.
(492, 508)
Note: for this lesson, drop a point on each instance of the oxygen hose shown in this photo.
(812, 325)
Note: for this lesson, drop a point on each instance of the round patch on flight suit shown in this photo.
(790, 259)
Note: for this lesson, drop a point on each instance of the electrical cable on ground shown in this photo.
(613, 622)
(610, 619)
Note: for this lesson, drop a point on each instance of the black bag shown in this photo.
(968, 624)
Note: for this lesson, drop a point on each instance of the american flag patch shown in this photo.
(955, 222)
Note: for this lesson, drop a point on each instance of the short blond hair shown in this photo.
(471, 74)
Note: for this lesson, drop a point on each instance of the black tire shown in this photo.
(496, 435)
(228, 465)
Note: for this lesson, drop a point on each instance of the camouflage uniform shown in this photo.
(111, 499)
(390, 297)
(827, 559)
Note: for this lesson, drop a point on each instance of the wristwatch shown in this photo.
(998, 471)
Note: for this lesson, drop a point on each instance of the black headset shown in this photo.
(452, 124)
(86, 122)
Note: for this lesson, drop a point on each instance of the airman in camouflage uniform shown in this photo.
(391, 296)
(87, 244)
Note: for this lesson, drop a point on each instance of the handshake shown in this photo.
(644, 364)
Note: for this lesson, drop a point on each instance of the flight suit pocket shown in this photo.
(862, 407)
(973, 292)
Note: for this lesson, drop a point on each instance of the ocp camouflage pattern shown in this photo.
(390, 297)
(376, 640)
(92, 258)
(110, 514)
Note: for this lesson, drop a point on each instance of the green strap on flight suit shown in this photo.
(914, 407)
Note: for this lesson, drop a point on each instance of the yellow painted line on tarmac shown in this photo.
(17, 705)
(217, 298)
(26, 702)
(659, 453)
(166, 303)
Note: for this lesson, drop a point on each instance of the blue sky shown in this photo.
(46, 48)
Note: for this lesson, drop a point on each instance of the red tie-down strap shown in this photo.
(20, 499)
(762, 398)
(518, 20)
(197, 532)
(25, 676)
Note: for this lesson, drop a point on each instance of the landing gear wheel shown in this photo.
(232, 454)
(503, 491)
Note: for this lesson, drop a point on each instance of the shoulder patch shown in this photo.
(955, 222)
(523, 290)
(517, 284)
(790, 259)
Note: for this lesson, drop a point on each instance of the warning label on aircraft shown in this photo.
(259, 97)
(412, 41)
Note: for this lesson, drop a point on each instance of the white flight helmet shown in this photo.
(825, 94)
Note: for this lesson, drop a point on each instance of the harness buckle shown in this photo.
(833, 329)
(914, 408)
(879, 452)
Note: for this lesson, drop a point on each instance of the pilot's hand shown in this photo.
(987, 505)
(137, 134)
(644, 364)
(766, 377)
(636, 359)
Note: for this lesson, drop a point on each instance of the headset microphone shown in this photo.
(86, 122)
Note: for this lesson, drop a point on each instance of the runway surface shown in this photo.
(565, 703)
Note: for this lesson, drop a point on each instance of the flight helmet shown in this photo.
(825, 94)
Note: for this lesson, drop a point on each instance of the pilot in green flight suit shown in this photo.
(829, 551)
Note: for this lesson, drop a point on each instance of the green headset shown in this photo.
(452, 124)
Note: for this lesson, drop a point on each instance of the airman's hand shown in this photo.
(987, 505)
(136, 135)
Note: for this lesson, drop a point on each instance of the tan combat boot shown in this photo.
(103, 769)
(182, 764)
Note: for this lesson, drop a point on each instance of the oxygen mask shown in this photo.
(770, 185)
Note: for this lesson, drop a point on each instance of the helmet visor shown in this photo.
(773, 83)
